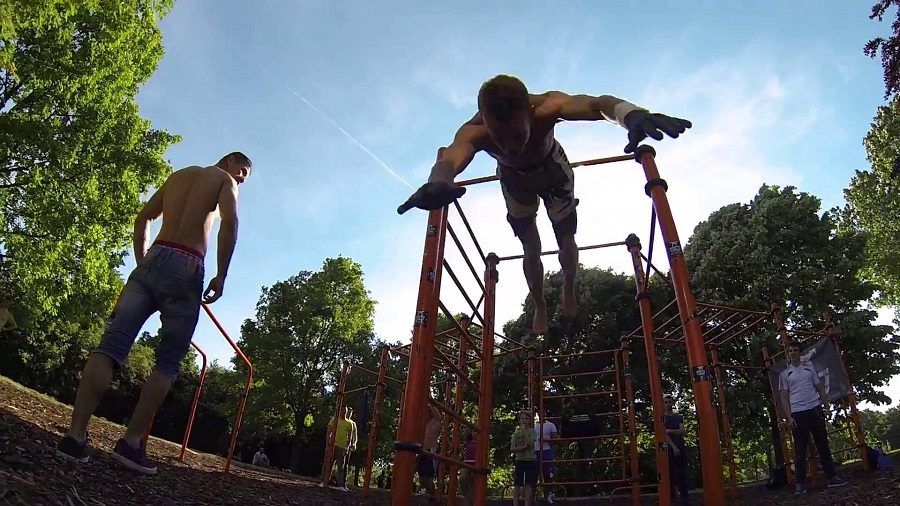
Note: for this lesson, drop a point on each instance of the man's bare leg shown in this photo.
(568, 260)
(534, 276)
(153, 394)
(95, 378)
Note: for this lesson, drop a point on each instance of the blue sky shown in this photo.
(779, 93)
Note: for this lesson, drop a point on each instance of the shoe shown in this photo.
(345, 489)
(70, 449)
(550, 498)
(799, 489)
(836, 481)
(133, 458)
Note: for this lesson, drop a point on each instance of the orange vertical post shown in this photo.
(485, 400)
(851, 397)
(782, 437)
(445, 444)
(190, 422)
(726, 423)
(653, 374)
(632, 424)
(462, 365)
(411, 431)
(376, 419)
(710, 447)
(328, 464)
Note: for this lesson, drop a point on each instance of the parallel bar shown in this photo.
(752, 326)
(465, 221)
(459, 374)
(553, 252)
(608, 413)
(376, 373)
(462, 290)
(595, 161)
(587, 438)
(439, 457)
(599, 352)
(465, 256)
(589, 459)
(577, 374)
(734, 309)
(583, 394)
(358, 389)
(452, 413)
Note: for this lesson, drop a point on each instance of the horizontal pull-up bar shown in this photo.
(589, 438)
(588, 459)
(594, 161)
(370, 371)
(586, 394)
(568, 355)
(583, 248)
(610, 413)
(576, 374)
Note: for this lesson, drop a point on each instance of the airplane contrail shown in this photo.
(352, 139)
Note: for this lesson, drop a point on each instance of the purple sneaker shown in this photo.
(70, 449)
(133, 458)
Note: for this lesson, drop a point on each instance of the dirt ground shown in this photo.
(30, 473)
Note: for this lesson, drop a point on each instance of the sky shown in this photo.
(342, 106)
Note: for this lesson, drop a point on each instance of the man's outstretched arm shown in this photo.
(451, 160)
(639, 122)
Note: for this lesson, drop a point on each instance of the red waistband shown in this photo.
(180, 247)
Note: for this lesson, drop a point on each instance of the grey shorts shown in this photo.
(168, 280)
(552, 181)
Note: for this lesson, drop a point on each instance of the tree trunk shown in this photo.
(297, 442)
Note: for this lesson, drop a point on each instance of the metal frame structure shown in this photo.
(423, 348)
(239, 416)
(720, 325)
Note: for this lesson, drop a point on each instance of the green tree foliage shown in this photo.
(75, 155)
(873, 198)
(780, 249)
(889, 47)
(305, 327)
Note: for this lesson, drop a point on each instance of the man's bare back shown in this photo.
(188, 202)
(190, 198)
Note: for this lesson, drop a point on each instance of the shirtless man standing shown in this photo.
(516, 128)
(168, 278)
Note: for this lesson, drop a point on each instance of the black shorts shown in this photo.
(525, 473)
(426, 466)
(551, 181)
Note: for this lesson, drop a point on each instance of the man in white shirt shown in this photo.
(802, 399)
(261, 459)
(544, 434)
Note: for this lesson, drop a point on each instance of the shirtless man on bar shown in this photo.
(516, 128)
(168, 278)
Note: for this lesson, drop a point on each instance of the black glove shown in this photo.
(433, 195)
(641, 123)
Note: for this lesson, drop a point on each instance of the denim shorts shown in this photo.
(168, 280)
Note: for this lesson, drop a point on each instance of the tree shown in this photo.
(305, 327)
(873, 203)
(890, 47)
(779, 249)
(75, 155)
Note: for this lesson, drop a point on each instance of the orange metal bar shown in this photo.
(595, 161)
(328, 463)
(653, 374)
(851, 397)
(444, 449)
(726, 423)
(462, 366)
(577, 374)
(190, 422)
(411, 430)
(465, 221)
(621, 417)
(569, 355)
(462, 252)
(632, 426)
(583, 394)
(376, 420)
(485, 401)
(710, 449)
(248, 380)
(462, 290)
(556, 251)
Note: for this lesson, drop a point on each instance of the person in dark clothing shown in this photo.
(674, 423)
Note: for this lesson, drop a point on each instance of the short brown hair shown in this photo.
(240, 157)
(503, 97)
(795, 344)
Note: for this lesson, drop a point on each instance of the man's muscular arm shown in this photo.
(639, 122)
(151, 210)
(440, 191)
(228, 230)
